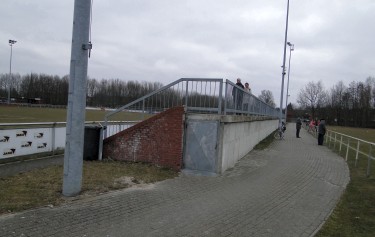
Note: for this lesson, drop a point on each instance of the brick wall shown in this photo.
(157, 140)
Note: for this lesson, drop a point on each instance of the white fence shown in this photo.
(19, 139)
(343, 144)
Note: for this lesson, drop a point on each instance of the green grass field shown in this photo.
(355, 212)
(14, 114)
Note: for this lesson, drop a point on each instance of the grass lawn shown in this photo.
(355, 212)
(14, 114)
(42, 187)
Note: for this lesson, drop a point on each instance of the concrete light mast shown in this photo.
(81, 45)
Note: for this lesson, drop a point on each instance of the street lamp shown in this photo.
(291, 48)
(283, 72)
(11, 42)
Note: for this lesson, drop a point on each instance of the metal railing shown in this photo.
(238, 101)
(343, 143)
(197, 95)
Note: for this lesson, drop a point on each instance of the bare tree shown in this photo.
(267, 97)
(312, 96)
(337, 101)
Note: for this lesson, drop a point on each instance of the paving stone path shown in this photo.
(288, 189)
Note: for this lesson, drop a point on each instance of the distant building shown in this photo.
(34, 101)
(25, 100)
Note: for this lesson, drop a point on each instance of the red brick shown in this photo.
(157, 140)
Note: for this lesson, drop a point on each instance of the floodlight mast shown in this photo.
(73, 155)
(283, 72)
(11, 42)
(291, 47)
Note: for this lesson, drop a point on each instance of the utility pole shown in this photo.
(283, 67)
(75, 128)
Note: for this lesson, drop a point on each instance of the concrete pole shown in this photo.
(73, 157)
(283, 67)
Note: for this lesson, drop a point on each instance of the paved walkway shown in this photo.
(287, 190)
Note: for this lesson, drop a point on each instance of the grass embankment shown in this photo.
(355, 213)
(43, 187)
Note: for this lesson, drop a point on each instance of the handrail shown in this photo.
(41, 123)
(335, 139)
(197, 95)
(160, 90)
(372, 143)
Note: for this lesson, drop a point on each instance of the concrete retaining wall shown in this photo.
(162, 140)
(237, 136)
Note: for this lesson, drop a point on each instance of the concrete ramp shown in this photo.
(286, 190)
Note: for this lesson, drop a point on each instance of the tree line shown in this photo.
(54, 89)
(100, 93)
(345, 105)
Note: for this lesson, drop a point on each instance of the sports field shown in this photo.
(15, 114)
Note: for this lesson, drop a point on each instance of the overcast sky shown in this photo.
(164, 40)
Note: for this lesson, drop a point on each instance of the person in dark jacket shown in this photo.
(298, 127)
(321, 131)
(238, 95)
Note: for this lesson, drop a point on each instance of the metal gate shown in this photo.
(201, 145)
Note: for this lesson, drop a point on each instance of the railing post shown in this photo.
(328, 139)
(225, 98)
(220, 97)
(53, 138)
(100, 155)
(347, 150)
(334, 142)
(369, 162)
(340, 144)
(105, 126)
(186, 95)
(143, 109)
(356, 156)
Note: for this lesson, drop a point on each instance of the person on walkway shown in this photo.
(238, 94)
(321, 131)
(298, 127)
(247, 88)
(246, 99)
(312, 125)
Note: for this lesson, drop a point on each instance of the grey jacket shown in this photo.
(322, 127)
(298, 124)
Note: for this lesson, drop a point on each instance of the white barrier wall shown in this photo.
(26, 141)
